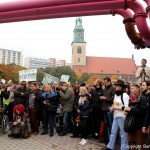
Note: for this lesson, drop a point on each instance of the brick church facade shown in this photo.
(104, 66)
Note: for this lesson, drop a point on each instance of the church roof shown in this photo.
(108, 65)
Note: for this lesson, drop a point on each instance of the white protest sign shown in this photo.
(3, 81)
(49, 79)
(28, 75)
(64, 78)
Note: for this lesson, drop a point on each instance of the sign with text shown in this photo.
(28, 75)
(3, 81)
(64, 78)
(49, 79)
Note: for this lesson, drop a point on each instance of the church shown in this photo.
(104, 66)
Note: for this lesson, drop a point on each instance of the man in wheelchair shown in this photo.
(19, 127)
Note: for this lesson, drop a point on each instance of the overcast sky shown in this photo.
(51, 38)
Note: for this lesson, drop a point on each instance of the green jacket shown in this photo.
(67, 100)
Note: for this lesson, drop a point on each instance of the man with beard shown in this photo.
(107, 101)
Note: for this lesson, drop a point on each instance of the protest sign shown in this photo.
(64, 78)
(27, 75)
(49, 79)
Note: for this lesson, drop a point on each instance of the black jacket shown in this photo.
(21, 96)
(96, 93)
(139, 109)
(109, 92)
(147, 118)
(52, 102)
(84, 109)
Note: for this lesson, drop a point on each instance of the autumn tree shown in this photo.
(10, 72)
(84, 77)
(93, 78)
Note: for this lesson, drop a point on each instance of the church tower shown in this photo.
(78, 45)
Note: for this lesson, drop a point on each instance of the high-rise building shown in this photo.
(60, 63)
(34, 63)
(11, 56)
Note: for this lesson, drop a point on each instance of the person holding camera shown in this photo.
(50, 103)
(143, 72)
(67, 99)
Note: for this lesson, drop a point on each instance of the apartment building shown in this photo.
(11, 56)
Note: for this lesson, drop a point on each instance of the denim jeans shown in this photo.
(108, 118)
(52, 121)
(48, 120)
(67, 121)
(118, 123)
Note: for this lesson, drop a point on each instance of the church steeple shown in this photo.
(78, 45)
(78, 36)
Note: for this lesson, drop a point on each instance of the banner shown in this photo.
(3, 81)
(27, 75)
(64, 78)
(49, 79)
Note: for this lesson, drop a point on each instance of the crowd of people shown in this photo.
(98, 110)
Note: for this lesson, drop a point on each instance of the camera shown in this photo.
(57, 89)
(100, 94)
(47, 102)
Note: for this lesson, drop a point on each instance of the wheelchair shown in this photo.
(4, 117)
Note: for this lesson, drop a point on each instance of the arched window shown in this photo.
(79, 50)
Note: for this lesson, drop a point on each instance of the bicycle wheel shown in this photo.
(5, 124)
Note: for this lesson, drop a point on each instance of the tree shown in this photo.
(66, 70)
(93, 78)
(57, 72)
(79, 74)
(84, 77)
(10, 72)
(40, 74)
(114, 78)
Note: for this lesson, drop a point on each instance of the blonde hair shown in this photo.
(136, 86)
(83, 89)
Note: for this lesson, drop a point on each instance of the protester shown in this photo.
(50, 103)
(22, 95)
(34, 108)
(19, 121)
(67, 99)
(137, 106)
(146, 126)
(97, 114)
(121, 101)
(84, 110)
(107, 101)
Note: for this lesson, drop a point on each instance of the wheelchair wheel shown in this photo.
(5, 124)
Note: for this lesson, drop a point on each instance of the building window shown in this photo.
(78, 59)
(79, 50)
